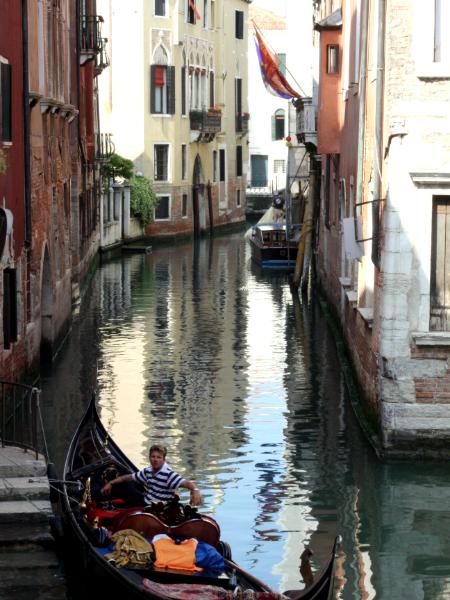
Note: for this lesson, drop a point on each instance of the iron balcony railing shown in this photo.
(104, 146)
(101, 58)
(19, 414)
(90, 36)
(205, 121)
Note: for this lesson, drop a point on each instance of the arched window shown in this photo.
(162, 92)
(278, 124)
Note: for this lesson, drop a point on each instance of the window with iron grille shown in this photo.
(184, 203)
(162, 210)
(9, 307)
(161, 162)
(6, 102)
(239, 29)
(440, 265)
(238, 197)
(279, 166)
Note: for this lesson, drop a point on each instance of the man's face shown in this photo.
(156, 460)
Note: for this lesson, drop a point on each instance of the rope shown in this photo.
(38, 404)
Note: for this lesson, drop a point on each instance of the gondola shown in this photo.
(92, 459)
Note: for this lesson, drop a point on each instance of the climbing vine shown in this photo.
(142, 198)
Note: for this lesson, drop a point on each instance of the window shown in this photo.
(192, 12)
(222, 164)
(160, 8)
(162, 210)
(282, 63)
(214, 165)
(238, 161)
(332, 58)
(239, 29)
(9, 307)
(258, 163)
(184, 201)
(162, 78)
(238, 197)
(183, 161)
(5, 102)
(440, 265)
(278, 124)
(161, 162)
(279, 166)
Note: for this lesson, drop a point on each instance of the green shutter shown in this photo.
(273, 128)
(152, 88)
(170, 90)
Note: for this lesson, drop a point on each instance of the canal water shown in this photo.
(193, 346)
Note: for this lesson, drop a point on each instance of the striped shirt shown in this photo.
(159, 486)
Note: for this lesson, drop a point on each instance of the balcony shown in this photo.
(91, 41)
(306, 129)
(101, 58)
(242, 120)
(104, 147)
(205, 123)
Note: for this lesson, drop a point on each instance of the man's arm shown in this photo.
(106, 489)
(196, 497)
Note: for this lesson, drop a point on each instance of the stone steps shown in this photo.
(29, 566)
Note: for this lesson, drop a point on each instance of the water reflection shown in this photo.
(194, 346)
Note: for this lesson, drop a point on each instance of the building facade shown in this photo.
(50, 56)
(176, 102)
(383, 252)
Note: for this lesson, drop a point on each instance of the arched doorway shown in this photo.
(198, 197)
(46, 346)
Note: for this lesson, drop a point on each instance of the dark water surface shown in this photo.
(193, 346)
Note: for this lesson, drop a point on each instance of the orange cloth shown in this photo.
(170, 555)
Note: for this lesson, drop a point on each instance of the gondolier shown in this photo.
(159, 480)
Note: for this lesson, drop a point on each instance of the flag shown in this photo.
(193, 7)
(274, 80)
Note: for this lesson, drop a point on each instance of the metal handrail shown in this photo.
(19, 413)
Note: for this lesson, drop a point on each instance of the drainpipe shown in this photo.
(377, 187)
(362, 106)
(26, 126)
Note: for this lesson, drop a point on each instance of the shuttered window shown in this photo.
(6, 113)
(222, 164)
(239, 25)
(238, 161)
(162, 210)
(161, 162)
(162, 89)
(9, 307)
(440, 265)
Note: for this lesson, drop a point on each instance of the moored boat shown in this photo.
(94, 522)
(270, 248)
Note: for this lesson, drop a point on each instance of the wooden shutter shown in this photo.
(9, 307)
(183, 90)
(239, 25)
(238, 161)
(152, 88)
(211, 89)
(440, 266)
(6, 131)
(170, 73)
